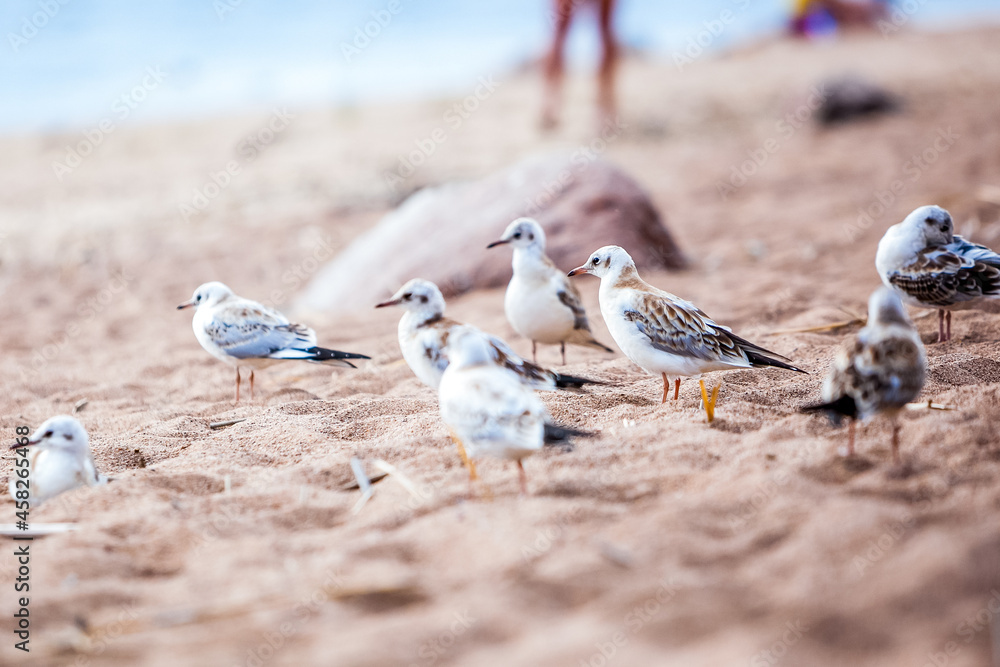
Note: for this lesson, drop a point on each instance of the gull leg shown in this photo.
(941, 337)
(895, 443)
(237, 384)
(850, 439)
(677, 388)
(522, 478)
(947, 320)
(251, 384)
(666, 387)
(534, 356)
(466, 461)
(562, 348)
(709, 401)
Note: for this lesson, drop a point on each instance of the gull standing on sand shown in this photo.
(59, 460)
(879, 372)
(245, 333)
(664, 334)
(540, 303)
(929, 266)
(487, 407)
(424, 333)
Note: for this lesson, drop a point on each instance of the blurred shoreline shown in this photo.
(342, 54)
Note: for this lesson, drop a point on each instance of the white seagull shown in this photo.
(540, 303)
(929, 266)
(487, 407)
(245, 333)
(424, 333)
(879, 372)
(59, 460)
(664, 334)
(425, 336)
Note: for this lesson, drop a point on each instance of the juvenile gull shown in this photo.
(424, 333)
(879, 372)
(540, 303)
(424, 339)
(59, 460)
(664, 334)
(487, 407)
(245, 333)
(929, 266)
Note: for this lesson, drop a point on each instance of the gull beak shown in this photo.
(578, 270)
(390, 302)
(496, 243)
(186, 304)
(27, 444)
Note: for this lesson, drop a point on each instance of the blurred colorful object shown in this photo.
(817, 18)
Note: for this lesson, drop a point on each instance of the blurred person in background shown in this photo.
(562, 14)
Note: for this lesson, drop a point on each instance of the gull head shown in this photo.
(467, 347)
(418, 296)
(522, 233)
(61, 432)
(208, 294)
(607, 262)
(884, 307)
(933, 223)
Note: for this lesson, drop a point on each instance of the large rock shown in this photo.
(441, 233)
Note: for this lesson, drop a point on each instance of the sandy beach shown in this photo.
(663, 540)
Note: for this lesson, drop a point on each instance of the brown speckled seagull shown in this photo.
(664, 334)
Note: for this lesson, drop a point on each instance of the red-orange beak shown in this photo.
(578, 270)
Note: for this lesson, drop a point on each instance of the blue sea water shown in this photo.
(67, 63)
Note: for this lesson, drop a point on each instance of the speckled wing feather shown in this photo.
(437, 351)
(247, 330)
(531, 374)
(569, 295)
(886, 374)
(958, 272)
(682, 329)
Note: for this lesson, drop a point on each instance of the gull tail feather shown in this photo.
(835, 410)
(759, 356)
(586, 339)
(322, 355)
(573, 381)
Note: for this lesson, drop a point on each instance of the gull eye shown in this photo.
(595, 261)
(929, 221)
(517, 235)
(407, 296)
(48, 434)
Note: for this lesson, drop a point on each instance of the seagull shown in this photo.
(664, 334)
(929, 266)
(541, 304)
(59, 460)
(424, 337)
(245, 333)
(424, 332)
(879, 372)
(487, 407)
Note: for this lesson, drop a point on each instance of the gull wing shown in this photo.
(248, 330)
(958, 272)
(679, 328)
